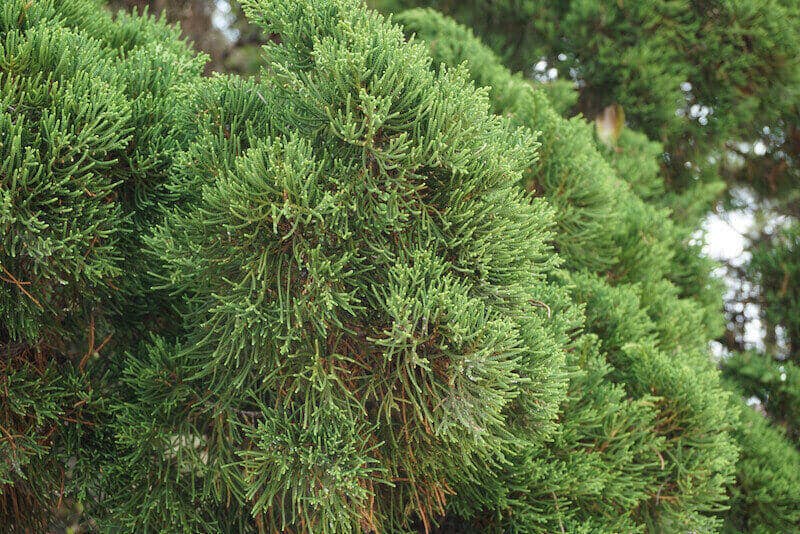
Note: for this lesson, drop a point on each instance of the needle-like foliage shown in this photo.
(653, 341)
(84, 130)
(383, 287)
(367, 293)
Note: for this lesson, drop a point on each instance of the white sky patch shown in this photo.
(222, 19)
(725, 235)
(543, 72)
(753, 401)
(719, 351)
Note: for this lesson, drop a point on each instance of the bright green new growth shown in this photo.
(82, 129)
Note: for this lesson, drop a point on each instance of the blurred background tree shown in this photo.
(217, 27)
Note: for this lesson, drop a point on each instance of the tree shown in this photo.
(365, 295)
(734, 60)
(345, 260)
(767, 481)
(772, 375)
(630, 154)
(354, 294)
(85, 137)
(714, 82)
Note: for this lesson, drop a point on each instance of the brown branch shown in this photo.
(10, 437)
(19, 285)
(103, 343)
(540, 304)
(90, 351)
(61, 493)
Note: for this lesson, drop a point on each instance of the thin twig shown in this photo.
(658, 494)
(90, 351)
(540, 304)
(560, 524)
(10, 437)
(19, 285)
(103, 343)
(61, 493)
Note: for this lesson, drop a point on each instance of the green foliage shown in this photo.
(597, 210)
(654, 340)
(577, 181)
(365, 289)
(775, 267)
(56, 154)
(774, 383)
(716, 83)
(82, 118)
(739, 57)
(768, 480)
(357, 294)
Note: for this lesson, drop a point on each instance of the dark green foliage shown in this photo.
(774, 383)
(59, 227)
(365, 290)
(359, 294)
(654, 341)
(570, 172)
(81, 115)
(764, 499)
(775, 267)
(739, 57)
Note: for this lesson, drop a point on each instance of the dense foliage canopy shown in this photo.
(384, 286)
